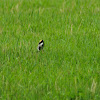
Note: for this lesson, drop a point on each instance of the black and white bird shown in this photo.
(40, 45)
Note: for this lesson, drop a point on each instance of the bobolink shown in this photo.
(40, 45)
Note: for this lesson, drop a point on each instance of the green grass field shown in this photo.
(69, 66)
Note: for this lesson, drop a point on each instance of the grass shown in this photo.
(69, 67)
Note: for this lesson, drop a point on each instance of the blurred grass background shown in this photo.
(69, 67)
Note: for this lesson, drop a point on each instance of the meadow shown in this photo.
(69, 66)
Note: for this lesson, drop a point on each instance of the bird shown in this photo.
(40, 45)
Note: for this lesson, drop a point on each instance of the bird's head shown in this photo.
(40, 40)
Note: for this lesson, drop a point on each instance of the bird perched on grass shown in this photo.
(40, 45)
